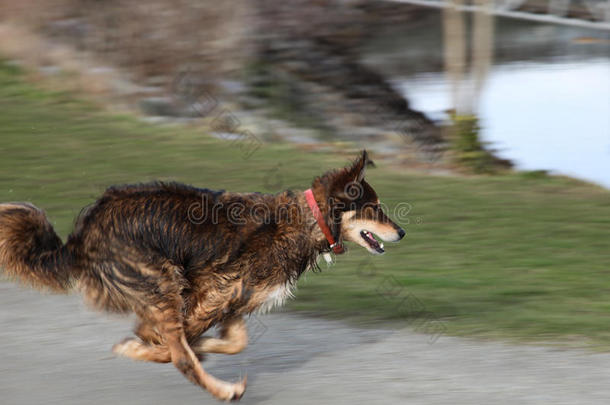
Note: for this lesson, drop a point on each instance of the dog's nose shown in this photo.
(401, 233)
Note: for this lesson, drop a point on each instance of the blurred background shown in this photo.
(489, 122)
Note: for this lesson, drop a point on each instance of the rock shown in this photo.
(159, 106)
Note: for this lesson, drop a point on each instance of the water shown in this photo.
(546, 101)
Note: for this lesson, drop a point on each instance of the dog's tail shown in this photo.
(31, 251)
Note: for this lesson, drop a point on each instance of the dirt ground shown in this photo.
(55, 351)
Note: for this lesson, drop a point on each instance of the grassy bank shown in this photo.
(509, 256)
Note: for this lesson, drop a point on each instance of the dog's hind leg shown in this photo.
(149, 346)
(148, 333)
(135, 349)
(233, 339)
(161, 307)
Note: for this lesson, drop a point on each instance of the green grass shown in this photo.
(512, 256)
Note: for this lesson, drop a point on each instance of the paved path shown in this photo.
(54, 351)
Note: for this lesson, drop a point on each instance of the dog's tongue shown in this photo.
(370, 239)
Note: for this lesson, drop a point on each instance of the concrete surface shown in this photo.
(55, 351)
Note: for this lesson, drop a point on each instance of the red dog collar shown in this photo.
(313, 205)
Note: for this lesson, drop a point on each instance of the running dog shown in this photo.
(184, 259)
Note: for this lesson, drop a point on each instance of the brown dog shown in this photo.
(185, 259)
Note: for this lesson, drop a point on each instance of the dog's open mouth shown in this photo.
(371, 241)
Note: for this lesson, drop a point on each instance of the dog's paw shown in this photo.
(125, 346)
(232, 392)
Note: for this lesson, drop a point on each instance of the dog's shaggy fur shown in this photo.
(185, 259)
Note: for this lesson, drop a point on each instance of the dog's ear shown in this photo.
(358, 169)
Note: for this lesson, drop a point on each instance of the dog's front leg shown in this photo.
(233, 339)
(168, 320)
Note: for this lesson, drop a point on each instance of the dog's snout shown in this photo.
(401, 233)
